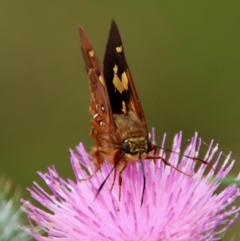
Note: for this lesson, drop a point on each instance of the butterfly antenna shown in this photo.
(192, 158)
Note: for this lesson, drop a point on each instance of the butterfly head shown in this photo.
(136, 146)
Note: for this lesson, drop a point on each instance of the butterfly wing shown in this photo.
(121, 89)
(100, 106)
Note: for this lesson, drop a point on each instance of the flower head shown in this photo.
(175, 206)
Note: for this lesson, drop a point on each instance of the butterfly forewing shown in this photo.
(122, 93)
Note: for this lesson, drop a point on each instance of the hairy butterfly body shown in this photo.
(118, 123)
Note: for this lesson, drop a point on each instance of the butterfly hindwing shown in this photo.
(100, 107)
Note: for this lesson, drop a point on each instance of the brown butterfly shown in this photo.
(118, 125)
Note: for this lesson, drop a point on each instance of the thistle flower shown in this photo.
(175, 206)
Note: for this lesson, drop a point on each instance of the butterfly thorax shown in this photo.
(130, 128)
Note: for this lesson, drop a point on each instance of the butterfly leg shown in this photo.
(119, 164)
(154, 149)
(97, 161)
(167, 163)
(96, 158)
(117, 158)
(120, 181)
(114, 178)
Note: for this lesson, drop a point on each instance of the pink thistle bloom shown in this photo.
(175, 207)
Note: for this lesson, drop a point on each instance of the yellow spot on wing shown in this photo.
(91, 53)
(119, 49)
(101, 79)
(124, 80)
(115, 69)
(118, 84)
(122, 84)
(124, 109)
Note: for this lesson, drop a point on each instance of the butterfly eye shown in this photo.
(126, 147)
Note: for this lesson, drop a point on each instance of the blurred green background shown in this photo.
(184, 57)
